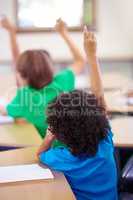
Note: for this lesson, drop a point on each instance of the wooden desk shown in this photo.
(19, 135)
(57, 189)
(123, 131)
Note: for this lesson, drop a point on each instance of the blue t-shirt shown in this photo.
(91, 178)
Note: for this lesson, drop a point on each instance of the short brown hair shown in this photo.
(35, 66)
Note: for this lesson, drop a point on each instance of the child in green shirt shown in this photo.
(38, 85)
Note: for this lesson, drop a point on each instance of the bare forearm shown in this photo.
(8, 26)
(90, 46)
(14, 46)
(48, 140)
(73, 47)
(78, 59)
(96, 79)
(78, 62)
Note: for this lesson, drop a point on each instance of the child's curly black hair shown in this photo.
(78, 120)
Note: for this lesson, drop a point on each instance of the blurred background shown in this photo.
(110, 20)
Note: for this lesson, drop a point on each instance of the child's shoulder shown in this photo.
(25, 93)
(109, 137)
(26, 89)
(106, 145)
(58, 158)
(65, 79)
(63, 73)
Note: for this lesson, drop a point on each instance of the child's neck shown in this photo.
(21, 83)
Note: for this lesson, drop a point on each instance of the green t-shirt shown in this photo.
(31, 104)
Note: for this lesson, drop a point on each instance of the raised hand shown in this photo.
(61, 26)
(6, 24)
(90, 44)
(78, 59)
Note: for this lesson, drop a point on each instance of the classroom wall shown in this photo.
(114, 32)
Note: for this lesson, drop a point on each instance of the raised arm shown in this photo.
(13, 41)
(90, 46)
(79, 62)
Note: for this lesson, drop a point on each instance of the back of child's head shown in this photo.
(35, 66)
(78, 120)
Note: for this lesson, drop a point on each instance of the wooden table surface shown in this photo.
(19, 135)
(56, 189)
(123, 131)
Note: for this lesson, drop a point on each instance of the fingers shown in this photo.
(88, 35)
(90, 44)
(60, 22)
(61, 26)
(6, 24)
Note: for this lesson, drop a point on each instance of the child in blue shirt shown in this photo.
(79, 120)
